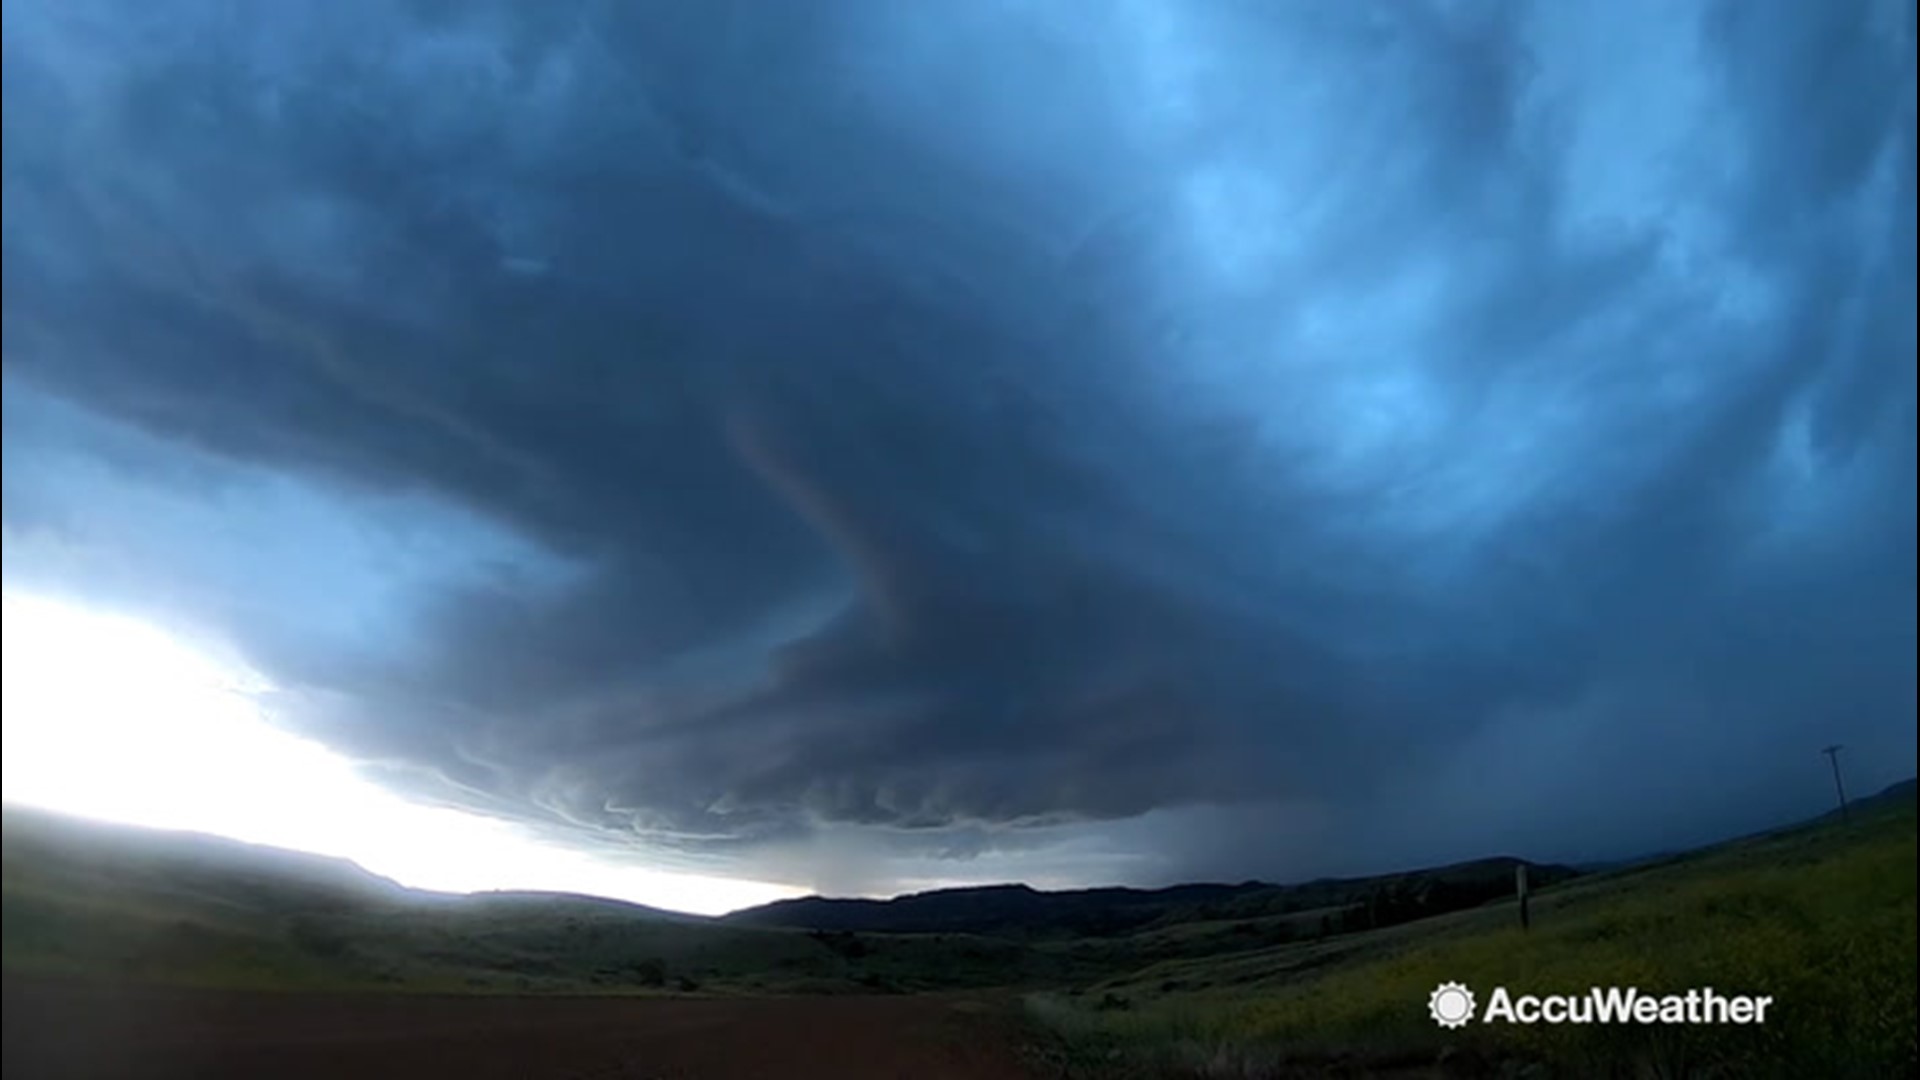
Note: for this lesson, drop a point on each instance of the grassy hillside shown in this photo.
(86, 899)
(1249, 980)
(1821, 917)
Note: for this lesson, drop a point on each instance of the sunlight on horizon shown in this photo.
(107, 717)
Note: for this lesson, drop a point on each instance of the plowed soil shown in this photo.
(57, 1028)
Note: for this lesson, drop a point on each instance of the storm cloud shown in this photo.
(871, 442)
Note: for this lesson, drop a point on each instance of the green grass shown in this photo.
(1821, 918)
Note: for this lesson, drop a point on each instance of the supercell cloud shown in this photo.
(866, 443)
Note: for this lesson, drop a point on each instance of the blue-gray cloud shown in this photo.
(1252, 437)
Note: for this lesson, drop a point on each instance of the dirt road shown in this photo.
(71, 1029)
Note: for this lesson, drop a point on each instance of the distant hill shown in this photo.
(68, 851)
(1896, 794)
(57, 851)
(1017, 910)
(1347, 903)
(89, 899)
(80, 898)
(84, 897)
(1892, 798)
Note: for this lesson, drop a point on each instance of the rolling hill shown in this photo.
(83, 898)
(1023, 912)
(1820, 916)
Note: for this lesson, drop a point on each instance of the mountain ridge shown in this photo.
(1020, 910)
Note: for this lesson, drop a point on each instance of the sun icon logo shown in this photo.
(1451, 1005)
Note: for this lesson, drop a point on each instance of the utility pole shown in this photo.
(1833, 758)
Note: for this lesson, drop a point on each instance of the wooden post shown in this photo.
(1520, 890)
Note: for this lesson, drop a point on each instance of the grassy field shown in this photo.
(1822, 918)
(1819, 917)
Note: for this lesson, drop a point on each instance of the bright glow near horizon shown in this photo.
(108, 717)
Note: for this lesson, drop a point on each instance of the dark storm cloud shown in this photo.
(856, 433)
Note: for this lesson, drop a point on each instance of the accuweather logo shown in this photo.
(1452, 1005)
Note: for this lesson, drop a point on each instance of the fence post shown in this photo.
(1520, 889)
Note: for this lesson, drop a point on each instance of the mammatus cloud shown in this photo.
(1014, 440)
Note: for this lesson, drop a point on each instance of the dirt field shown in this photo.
(68, 1029)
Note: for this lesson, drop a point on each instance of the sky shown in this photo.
(859, 446)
